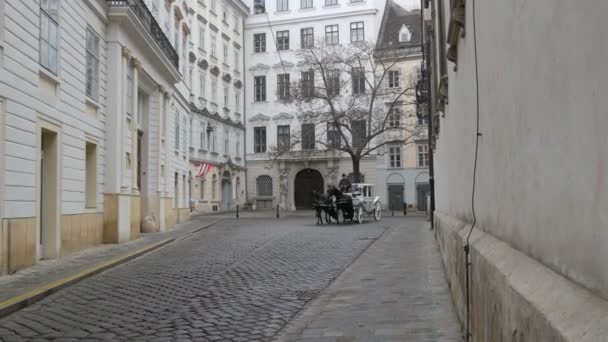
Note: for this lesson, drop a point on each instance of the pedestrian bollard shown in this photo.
(277, 211)
(404, 209)
(393, 211)
(237, 211)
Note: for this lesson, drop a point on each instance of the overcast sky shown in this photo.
(408, 4)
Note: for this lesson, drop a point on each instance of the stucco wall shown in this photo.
(542, 178)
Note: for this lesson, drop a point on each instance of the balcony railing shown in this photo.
(147, 19)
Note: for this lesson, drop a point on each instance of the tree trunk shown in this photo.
(356, 169)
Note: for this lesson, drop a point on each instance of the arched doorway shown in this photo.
(306, 181)
(226, 191)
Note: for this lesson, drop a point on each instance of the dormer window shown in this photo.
(405, 36)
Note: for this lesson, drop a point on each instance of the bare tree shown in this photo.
(350, 100)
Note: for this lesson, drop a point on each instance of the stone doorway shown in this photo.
(305, 183)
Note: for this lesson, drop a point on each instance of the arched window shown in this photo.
(405, 36)
(264, 186)
(238, 187)
(214, 187)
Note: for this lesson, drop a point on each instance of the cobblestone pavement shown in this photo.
(395, 291)
(241, 280)
(47, 271)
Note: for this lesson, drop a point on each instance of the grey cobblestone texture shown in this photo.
(395, 291)
(241, 280)
(47, 271)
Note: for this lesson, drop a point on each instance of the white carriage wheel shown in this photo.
(377, 211)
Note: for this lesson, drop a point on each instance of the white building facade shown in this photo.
(99, 113)
(403, 175)
(215, 81)
(289, 180)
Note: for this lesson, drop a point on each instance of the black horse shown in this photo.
(344, 203)
(324, 204)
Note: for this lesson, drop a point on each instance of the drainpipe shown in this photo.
(244, 107)
(426, 57)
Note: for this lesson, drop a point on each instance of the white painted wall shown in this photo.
(542, 177)
(26, 103)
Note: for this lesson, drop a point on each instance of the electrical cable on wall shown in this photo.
(276, 44)
(467, 247)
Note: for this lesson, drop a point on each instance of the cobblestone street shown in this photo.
(241, 280)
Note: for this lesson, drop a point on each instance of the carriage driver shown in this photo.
(344, 184)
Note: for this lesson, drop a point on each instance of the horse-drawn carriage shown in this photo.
(351, 204)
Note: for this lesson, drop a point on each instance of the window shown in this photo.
(213, 45)
(259, 42)
(214, 90)
(184, 52)
(237, 101)
(331, 35)
(130, 90)
(177, 131)
(393, 79)
(394, 117)
(49, 34)
(210, 138)
(237, 150)
(201, 39)
(283, 138)
(333, 83)
(226, 53)
(212, 5)
(176, 35)
(333, 136)
(259, 7)
(308, 83)
(358, 78)
(259, 139)
(214, 187)
(263, 186)
(226, 141)
(259, 88)
(226, 93)
(201, 142)
(92, 71)
(90, 175)
(308, 136)
(202, 189)
(203, 83)
(282, 5)
(423, 155)
(237, 58)
(191, 77)
(283, 40)
(404, 35)
(225, 16)
(331, 2)
(359, 133)
(283, 86)
(235, 18)
(357, 32)
(307, 37)
(394, 156)
(305, 4)
(353, 1)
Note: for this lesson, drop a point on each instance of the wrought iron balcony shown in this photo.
(147, 19)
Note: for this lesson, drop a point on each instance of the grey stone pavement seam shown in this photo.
(381, 298)
(49, 271)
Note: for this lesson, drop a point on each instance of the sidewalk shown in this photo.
(395, 291)
(52, 274)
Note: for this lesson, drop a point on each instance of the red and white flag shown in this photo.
(203, 170)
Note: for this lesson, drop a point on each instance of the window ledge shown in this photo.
(309, 9)
(254, 102)
(356, 3)
(176, 152)
(215, 154)
(331, 6)
(89, 101)
(202, 150)
(43, 72)
(226, 66)
(282, 12)
(213, 13)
